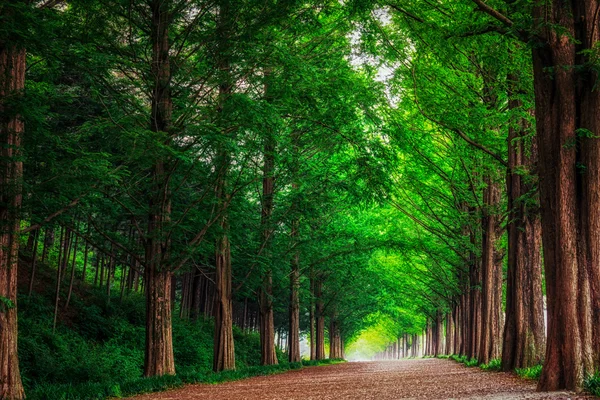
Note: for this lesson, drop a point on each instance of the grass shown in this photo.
(592, 384)
(97, 351)
(464, 360)
(493, 365)
(533, 373)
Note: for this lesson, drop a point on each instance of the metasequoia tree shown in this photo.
(565, 34)
(159, 359)
(12, 84)
(524, 336)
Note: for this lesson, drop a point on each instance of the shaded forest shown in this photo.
(198, 191)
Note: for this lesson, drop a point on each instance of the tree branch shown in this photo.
(494, 13)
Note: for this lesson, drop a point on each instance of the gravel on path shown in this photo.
(381, 380)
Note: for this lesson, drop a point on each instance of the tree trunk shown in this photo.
(12, 83)
(58, 278)
(33, 261)
(159, 359)
(224, 356)
(48, 241)
(489, 315)
(524, 336)
(268, 356)
(294, 331)
(335, 339)
(568, 123)
(320, 321)
(85, 262)
(109, 273)
(449, 334)
(313, 296)
(474, 329)
(73, 265)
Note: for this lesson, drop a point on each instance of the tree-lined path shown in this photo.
(195, 191)
(405, 379)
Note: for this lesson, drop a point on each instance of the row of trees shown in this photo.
(323, 165)
(205, 153)
(498, 107)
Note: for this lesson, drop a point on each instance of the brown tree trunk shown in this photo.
(449, 334)
(474, 300)
(335, 340)
(589, 184)
(48, 241)
(12, 84)
(109, 273)
(159, 359)
(224, 355)
(102, 268)
(524, 336)
(73, 265)
(58, 278)
(97, 268)
(320, 321)
(294, 331)
(489, 314)
(85, 262)
(268, 356)
(313, 296)
(440, 333)
(568, 123)
(33, 261)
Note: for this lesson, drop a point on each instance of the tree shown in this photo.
(12, 85)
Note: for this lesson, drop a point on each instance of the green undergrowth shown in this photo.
(98, 391)
(533, 373)
(493, 365)
(314, 363)
(592, 384)
(530, 373)
(97, 350)
(464, 360)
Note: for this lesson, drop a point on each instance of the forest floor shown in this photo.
(382, 380)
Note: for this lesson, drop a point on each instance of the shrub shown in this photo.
(530, 373)
(592, 384)
(494, 365)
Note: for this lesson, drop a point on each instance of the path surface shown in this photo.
(383, 380)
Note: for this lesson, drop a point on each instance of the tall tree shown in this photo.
(12, 85)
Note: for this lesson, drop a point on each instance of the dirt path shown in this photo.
(384, 380)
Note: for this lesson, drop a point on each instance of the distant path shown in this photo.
(381, 380)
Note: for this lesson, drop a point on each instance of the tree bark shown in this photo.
(568, 123)
(33, 261)
(524, 336)
(73, 264)
(294, 330)
(311, 311)
(268, 356)
(224, 355)
(320, 321)
(48, 241)
(159, 359)
(489, 306)
(12, 84)
(335, 339)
